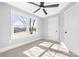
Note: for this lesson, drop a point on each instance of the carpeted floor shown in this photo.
(40, 48)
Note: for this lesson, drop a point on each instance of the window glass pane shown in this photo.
(22, 25)
(19, 23)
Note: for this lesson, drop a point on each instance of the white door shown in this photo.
(53, 29)
(71, 28)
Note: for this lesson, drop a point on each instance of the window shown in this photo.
(22, 26)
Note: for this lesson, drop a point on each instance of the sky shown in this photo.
(19, 19)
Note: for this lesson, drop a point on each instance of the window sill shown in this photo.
(22, 36)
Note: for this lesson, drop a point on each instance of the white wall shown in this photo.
(61, 20)
(72, 15)
(5, 29)
(45, 29)
(61, 25)
(48, 27)
(74, 12)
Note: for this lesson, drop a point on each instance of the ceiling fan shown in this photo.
(43, 6)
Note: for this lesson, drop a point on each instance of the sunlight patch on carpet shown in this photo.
(55, 46)
(49, 54)
(34, 51)
(45, 44)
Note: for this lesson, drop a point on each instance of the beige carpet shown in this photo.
(40, 48)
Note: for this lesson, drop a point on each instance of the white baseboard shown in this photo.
(14, 46)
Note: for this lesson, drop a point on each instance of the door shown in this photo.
(71, 28)
(53, 29)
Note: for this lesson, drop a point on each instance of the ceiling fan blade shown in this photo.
(48, 6)
(36, 10)
(34, 4)
(44, 11)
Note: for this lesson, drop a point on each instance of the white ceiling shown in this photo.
(31, 8)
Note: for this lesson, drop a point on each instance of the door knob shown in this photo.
(65, 32)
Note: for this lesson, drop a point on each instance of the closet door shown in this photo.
(71, 28)
(53, 29)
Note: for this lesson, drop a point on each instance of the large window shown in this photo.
(22, 25)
